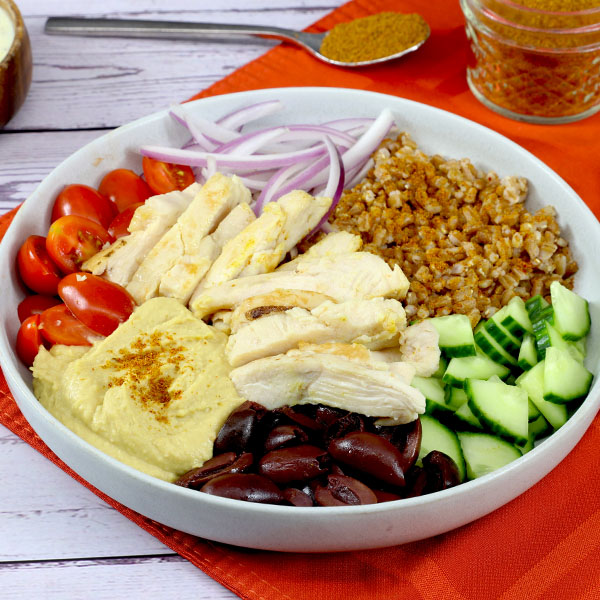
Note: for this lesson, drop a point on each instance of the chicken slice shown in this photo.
(333, 244)
(358, 275)
(306, 377)
(183, 277)
(265, 304)
(119, 261)
(418, 347)
(263, 244)
(374, 323)
(214, 200)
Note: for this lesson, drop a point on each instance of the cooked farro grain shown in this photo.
(462, 237)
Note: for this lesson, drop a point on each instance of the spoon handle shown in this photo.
(165, 29)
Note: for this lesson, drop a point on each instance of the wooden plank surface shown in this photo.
(59, 541)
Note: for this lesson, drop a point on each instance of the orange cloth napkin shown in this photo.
(543, 545)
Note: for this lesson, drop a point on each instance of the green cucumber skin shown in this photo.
(494, 427)
(432, 432)
(565, 379)
(498, 453)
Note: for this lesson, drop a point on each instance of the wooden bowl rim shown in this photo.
(13, 11)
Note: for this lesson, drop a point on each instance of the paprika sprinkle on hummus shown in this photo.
(374, 37)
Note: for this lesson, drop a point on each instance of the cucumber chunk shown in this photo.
(489, 346)
(485, 453)
(503, 336)
(516, 319)
(500, 407)
(565, 378)
(528, 356)
(474, 367)
(437, 436)
(441, 368)
(455, 397)
(571, 312)
(532, 382)
(534, 305)
(456, 335)
(464, 415)
(533, 411)
(433, 390)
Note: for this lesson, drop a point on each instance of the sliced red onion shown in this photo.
(236, 119)
(251, 142)
(335, 184)
(198, 137)
(253, 162)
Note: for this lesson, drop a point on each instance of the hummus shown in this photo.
(153, 394)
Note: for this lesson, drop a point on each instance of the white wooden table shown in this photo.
(57, 539)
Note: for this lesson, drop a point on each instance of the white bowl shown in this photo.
(322, 528)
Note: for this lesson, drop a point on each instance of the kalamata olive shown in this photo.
(343, 426)
(240, 430)
(442, 472)
(342, 491)
(369, 453)
(218, 465)
(383, 496)
(303, 415)
(416, 482)
(285, 435)
(297, 497)
(407, 438)
(326, 415)
(244, 486)
(294, 464)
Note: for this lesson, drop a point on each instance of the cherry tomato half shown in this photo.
(35, 305)
(84, 201)
(124, 188)
(165, 177)
(29, 339)
(72, 240)
(58, 325)
(96, 302)
(37, 269)
(119, 225)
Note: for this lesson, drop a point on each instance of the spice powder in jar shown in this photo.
(374, 37)
(535, 60)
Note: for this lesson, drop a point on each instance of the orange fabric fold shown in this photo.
(543, 545)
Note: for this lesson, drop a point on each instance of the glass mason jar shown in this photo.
(535, 60)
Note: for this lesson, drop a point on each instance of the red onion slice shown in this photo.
(238, 118)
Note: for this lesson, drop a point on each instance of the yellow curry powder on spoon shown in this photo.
(374, 37)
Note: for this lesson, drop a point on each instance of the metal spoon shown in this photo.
(182, 30)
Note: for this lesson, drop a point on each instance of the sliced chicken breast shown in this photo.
(419, 347)
(358, 275)
(333, 244)
(182, 241)
(182, 278)
(374, 323)
(119, 261)
(279, 300)
(307, 377)
(263, 244)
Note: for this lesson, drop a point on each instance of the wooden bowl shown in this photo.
(15, 67)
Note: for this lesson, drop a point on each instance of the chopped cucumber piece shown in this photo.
(437, 436)
(505, 338)
(539, 427)
(532, 382)
(528, 356)
(455, 397)
(578, 349)
(485, 453)
(433, 390)
(474, 367)
(516, 319)
(441, 368)
(533, 412)
(491, 348)
(571, 312)
(456, 335)
(534, 305)
(565, 378)
(465, 415)
(500, 407)
(549, 336)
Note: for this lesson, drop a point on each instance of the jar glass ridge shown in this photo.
(535, 60)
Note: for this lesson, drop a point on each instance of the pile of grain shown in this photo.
(462, 237)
